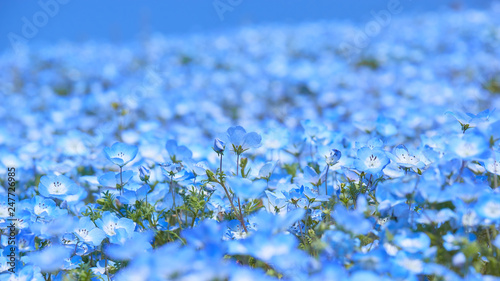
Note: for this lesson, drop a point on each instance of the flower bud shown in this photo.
(334, 157)
(144, 173)
(219, 146)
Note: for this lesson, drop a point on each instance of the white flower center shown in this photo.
(372, 161)
(110, 228)
(57, 188)
(492, 209)
(83, 232)
(467, 149)
(40, 208)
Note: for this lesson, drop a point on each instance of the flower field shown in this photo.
(261, 153)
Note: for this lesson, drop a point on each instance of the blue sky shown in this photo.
(125, 20)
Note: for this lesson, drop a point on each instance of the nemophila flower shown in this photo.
(275, 202)
(136, 245)
(353, 221)
(59, 187)
(115, 180)
(386, 126)
(50, 258)
(121, 153)
(469, 120)
(44, 208)
(133, 192)
(413, 242)
(100, 268)
(87, 232)
(170, 168)
(488, 207)
(492, 164)
(197, 168)
(469, 146)
(25, 241)
(245, 188)
(241, 140)
(144, 173)
(371, 161)
(404, 159)
(117, 229)
(333, 158)
(267, 169)
(219, 145)
(178, 153)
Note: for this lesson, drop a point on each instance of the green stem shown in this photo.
(121, 181)
(173, 199)
(238, 215)
(326, 179)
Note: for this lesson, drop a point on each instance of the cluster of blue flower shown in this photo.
(383, 167)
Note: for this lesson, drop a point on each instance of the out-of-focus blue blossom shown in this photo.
(144, 173)
(138, 244)
(334, 157)
(267, 170)
(239, 137)
(492, 164)
(352, 221)
(245, 188)
(488, 207)
(50, 258)
(121, 153)
(469, 146)
(170, 168)
(178, 152)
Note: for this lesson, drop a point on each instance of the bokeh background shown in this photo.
(128, 20)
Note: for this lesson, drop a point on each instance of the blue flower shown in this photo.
(241, 140)
(245, 188)
(50, 258)
(219, 145)
(59, 187)
(469, 146)
(87, 232)
(333, 158)
(371, 161)
(144, 173)
(121, 153)
(178, 153)
(170, 168)
(117, 229)
(492, 164)
(353, 221)
(488, 207)
(403, 158)
(266, 170)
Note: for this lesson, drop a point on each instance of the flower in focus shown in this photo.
(59, 187)
(371, 161)
(219, 146)
(121, 153)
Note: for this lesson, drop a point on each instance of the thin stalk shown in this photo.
(239, 215)
(326, 179)
(173, 199)
(237, 163)
(106, 265)
(121, 180)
